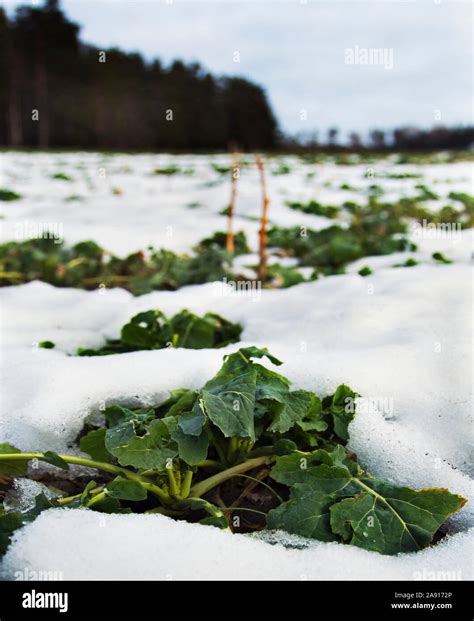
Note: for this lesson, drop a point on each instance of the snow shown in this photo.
(115, 547)
(399, 337)
(154, 209)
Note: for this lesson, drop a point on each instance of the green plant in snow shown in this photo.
(204, 456)
(439, 256)
(8, 195)
(153, 330)
(316, 208)
(88, 265)
(61, 176)
(365, 271)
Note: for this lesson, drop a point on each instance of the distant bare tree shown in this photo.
(377, 139)
(355, 140)
(332, 136)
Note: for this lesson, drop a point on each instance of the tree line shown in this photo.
(399, 139)
(55, 91)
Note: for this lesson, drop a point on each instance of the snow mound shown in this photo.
(114, 547)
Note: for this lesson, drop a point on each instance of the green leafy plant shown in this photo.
(365, 271)
(439, 256)
(410, 262)
(404, 175)
(466, 199)
(8, 195)
(61, 176)
(203, 456)
(282, 276)
(153, 330)
(282, 169)
(219, 240)
(87, 265)
(173, 169)
(315, 208)
(331, 249)
(222, 170)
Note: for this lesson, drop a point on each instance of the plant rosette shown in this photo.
(245, 445)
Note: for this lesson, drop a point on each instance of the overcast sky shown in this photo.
(297, 51)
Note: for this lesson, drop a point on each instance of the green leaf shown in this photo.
(117, 415)
(42, 503)
(333, 499)
(13, 467)
(147, 330)
(85, 496)
(438, 256)
(109, 505)
(229, 402)
(225, 332)
(314, 418)
(240, 361)
(212, 520)
(192, 449)
(9, 523)
(8, 195)
(153, 330)
(192, 423)
(300, 467)
(53, 458)
(391, 519)
(123, 489)
(180, 401)
(287, 407)
(150, 451)
(259, 352)
(217, 516)
(193, 332)
(12, 521)
(293, 408)
(340, 410)
(94, 445)
(284, 447)
(305, 514)
(365, 271)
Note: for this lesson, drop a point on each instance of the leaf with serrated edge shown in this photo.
(150, 451)
(230, 402)
(335, 500)
(391, 519)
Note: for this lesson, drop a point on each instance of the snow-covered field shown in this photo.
(118, 201)
(400, 337)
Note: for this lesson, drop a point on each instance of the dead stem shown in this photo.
(262, 266)
(233, 195)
